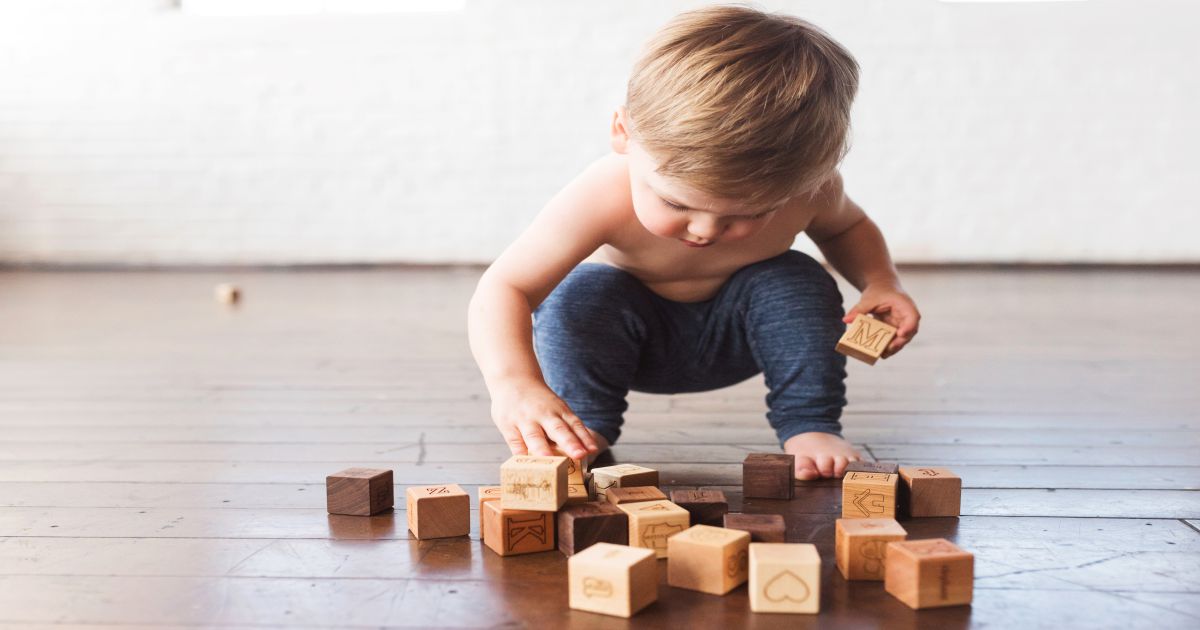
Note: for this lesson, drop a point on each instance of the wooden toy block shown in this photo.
(617, 496)
(575, 467)
(581, 526)
(866, 339)
(486, 493)
(929, 573)
(612, 579)
(929, 491)
(359, 491)
(438, 511)
(785, 578)
(226, 293)
(708, 559)
(707, 507)
(651, 523)
(876, 467)
(768, 475)
(869, 495)
(621, 476)
(861, 546)
(533, 482)
(576, 493)
(765, 528)
(512, 532)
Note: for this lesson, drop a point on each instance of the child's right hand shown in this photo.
(530, 416)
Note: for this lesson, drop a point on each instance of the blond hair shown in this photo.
(743, 104)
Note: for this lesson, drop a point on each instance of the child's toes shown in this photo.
(839, 465)
(824, 465)
(806, 469)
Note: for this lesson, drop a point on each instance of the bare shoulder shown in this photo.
(577, 220)
(831, 211)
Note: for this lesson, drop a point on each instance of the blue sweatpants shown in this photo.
(602, 333)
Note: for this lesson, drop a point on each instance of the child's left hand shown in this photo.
(893, 306)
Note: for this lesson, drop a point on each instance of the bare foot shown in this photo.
(820, 455)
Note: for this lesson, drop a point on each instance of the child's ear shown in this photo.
(620, 130)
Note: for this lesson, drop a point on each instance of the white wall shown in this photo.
(133, 134)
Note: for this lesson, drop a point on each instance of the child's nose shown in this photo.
(704, 229)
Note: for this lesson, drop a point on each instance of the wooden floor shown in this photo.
(162, 458)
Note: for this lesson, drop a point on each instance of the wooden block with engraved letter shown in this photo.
(929, 573)
(612, 579)
(359, 491)
(785, 578)
(651, 523)
(869, 495)
(928, 491)
(866, 339)
(534, 482)
(438, 511)
(512, 532)
(581, 526)
(707, 507)
(768, 475)
(486, 493)
(861, 546)
(762, 527)
(617, 496)
(708, 559)
(621, 476)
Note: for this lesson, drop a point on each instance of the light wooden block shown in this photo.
(866, 339)
(928, 491)
(576, 493)
(534, 482)
(486, 493)
(879, 467)
(785, 578)
(438, 511)
(929, 573)
(621, 476)
(869, 495)
(575, 467)
(617, 496)
(513, 532)
(651, 523)
(612, 579)
(581, 526)
(768, 475)
(708, 559)
(359, 491)
(767, 528)
(861, 546)
(707, 507)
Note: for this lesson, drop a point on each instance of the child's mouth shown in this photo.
(691, 244)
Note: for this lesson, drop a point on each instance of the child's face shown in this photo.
(671, 209)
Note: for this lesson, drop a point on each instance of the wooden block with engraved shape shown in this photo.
(652, 523)
(534, 482)
(438, 511)
(861, 546)
(785, 578)
(768, 475)
(621, 476)
(928, 491)
(581, 526)
(929, 573)
(708, 559)
(876, 467)
(513, 532)
(359, 491)
(707, 507)
(617, 496)
(767, 528)
(869, 495)
(612, 579)
(866, 339)
(486, 493)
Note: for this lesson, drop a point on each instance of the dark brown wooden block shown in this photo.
(878, 467)
(762, 527)
(438, 511)
(617, 496)
(359, 491)
(707, 507)
(581, 526)
(929, 491)
(768, 475)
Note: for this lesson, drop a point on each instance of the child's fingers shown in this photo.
(512, 437)
(565, 438)
(581, 430)
(535, 439)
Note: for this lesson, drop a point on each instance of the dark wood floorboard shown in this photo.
(162, 457)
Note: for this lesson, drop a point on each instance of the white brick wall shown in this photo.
(133, 134)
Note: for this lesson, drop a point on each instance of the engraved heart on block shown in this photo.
(786, 586)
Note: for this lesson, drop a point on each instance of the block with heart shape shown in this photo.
(785, 578)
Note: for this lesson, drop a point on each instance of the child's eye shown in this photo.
(761, 215)
(672, 205)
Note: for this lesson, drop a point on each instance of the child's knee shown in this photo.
(589, 295)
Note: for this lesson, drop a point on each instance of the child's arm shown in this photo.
(855, 247)
(573, 224)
